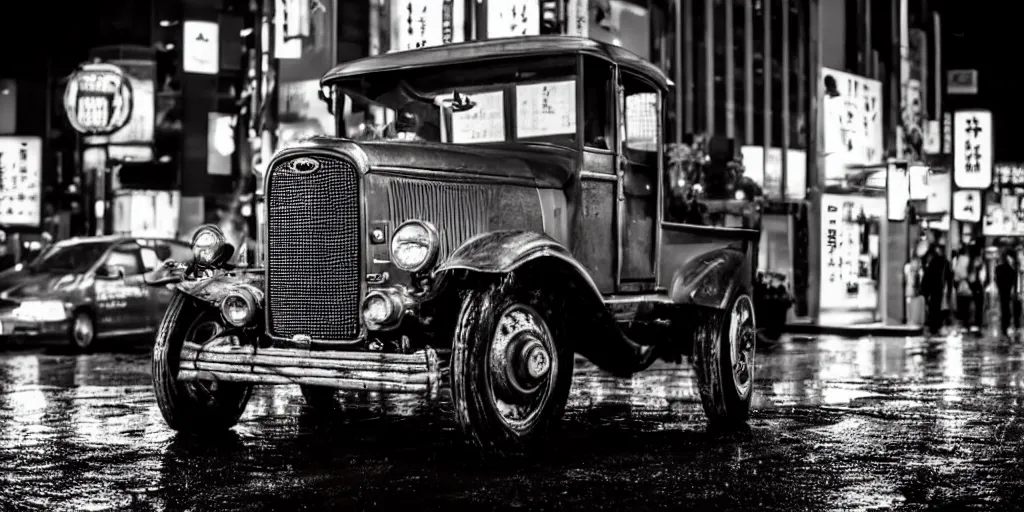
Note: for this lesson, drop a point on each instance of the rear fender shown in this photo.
(542, 262)
(709, 279)
(213, 289)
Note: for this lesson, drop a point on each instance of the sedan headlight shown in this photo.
(238, 308)
(206, 243)
(41, 311)
(414, 246)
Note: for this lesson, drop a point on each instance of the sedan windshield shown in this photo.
(71, 258)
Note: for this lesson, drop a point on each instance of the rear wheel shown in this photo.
(511, 368)
(200, 405)
(723, 357)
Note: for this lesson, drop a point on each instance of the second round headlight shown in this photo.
(237, 308)
(414, 246)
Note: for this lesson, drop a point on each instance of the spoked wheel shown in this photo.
(82, 331)
(199, 405)
(511, 371)
(724, 361)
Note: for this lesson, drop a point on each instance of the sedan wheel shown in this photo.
(83, 331)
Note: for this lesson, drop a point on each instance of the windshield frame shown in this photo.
(352, 95)
(34, 265)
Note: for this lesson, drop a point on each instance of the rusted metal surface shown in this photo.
(419, 372)
(212, 289)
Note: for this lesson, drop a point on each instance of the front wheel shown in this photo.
(511, 368)
(723, 358)
(82, 331)
(199, 405)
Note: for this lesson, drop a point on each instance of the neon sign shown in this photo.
(98, 99)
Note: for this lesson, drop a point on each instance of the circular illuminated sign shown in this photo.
(98, 99)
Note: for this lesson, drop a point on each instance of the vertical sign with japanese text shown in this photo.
(972, 149)
(21, 184)
(512, 18)
(967, 205)
(201, 50)
(424, 23)
(852, 110)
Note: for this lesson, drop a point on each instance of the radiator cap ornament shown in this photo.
(302, 165)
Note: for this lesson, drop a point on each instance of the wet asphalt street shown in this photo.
(868, 424)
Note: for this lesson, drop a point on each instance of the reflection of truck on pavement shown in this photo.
(524, 226)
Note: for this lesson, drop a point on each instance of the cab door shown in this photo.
(639, 166)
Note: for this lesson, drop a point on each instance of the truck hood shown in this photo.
(548, 166)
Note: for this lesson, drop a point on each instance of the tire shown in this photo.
(192, 407)
(319, 397)
(725, 389)
(82, 331)
(504, 331)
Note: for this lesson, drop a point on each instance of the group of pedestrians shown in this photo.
(953, 291)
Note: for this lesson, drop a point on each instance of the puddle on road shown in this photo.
(855, 424)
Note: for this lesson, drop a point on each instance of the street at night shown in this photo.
(852, 424)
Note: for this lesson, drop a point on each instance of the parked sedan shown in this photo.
(87, 289)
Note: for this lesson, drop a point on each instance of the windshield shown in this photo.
(514, 100)
(71, 258)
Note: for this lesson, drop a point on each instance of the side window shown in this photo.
(125, 256)
(150, 261)
(640, 126)
(598, 107)
(178, 252)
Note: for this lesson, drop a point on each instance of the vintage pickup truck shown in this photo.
(509, 218)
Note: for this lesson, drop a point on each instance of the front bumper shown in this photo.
(14, 327)
(416, 373)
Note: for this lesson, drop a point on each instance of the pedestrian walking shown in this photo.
(1006, 281)
(935, 269)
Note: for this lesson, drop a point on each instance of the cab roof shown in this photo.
(475, 51)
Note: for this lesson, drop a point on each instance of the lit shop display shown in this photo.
(850, 251)
(21, 163)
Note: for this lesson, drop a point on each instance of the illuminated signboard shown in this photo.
(98, 99)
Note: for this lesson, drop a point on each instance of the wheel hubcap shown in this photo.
(742, 333)
(521, 367)
(83, 331)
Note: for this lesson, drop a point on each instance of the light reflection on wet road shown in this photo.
(880, 423)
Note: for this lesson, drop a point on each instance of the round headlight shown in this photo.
(237, 309)
(206, 242)
(414, 246)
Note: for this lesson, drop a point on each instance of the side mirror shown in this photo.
(110, 273)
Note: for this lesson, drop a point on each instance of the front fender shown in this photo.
(710, 278)
(212, 290)
(500, 252)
